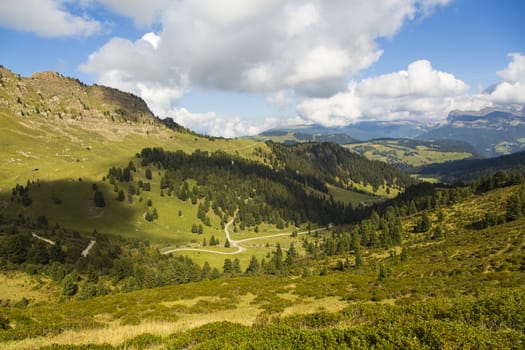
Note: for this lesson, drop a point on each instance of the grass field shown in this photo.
(453, 276)
(392, 152)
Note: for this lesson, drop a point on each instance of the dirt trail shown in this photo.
(235, 243)
(48, 241)
(232, 243)
(85, 252)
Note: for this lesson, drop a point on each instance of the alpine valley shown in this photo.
(122, 230)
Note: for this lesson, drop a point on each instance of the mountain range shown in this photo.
(122, 230)
(491, 131)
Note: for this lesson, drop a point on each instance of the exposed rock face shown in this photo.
(491, 131)
(52, 95)
(63, 102)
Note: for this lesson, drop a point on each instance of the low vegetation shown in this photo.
(121, 240)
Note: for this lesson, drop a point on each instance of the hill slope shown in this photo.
(470, 169)
(407, 154)
(66, 144)
(491, 132)
(462, 287)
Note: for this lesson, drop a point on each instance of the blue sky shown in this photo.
(237, 67)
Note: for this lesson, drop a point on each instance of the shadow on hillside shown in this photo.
(71, 204)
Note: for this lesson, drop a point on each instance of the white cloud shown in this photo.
(418, 93)
(515, 71)
(320, 63)
(420, 79)
(136, 67)
(512, 88)
(265, 46)
(220, 125)
(281, 99)
(298, 20)
(48, 18)
(249, 46)
(142, 12)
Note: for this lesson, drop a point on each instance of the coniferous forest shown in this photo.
(127, 232)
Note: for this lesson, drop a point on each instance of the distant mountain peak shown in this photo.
(511, 110)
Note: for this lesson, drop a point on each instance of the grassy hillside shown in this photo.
(121, 231)
(62, 137)
(468, 170)
(463, 288)
(293, 137)
(408, 154)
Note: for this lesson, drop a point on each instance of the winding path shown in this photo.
(85, 252)
(48, 241)
(235, 243)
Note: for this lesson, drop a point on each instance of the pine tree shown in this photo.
(514, 208)
(291, 255)
(404, 254)
(99, 199)
(277, 258)
(121, 196)
(253, 267)
(236, 267)
(358, 259)
(425, 224)
(69, 286)
(227, 268)
(215, 274)
(227, 244)
(206, 271)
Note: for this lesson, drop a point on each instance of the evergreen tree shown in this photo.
(277, 258)
(227, 268)
(358, 258)
(99, 199)
(291, 255)
(253, 267)
(404, 254)
(121, 196)
(206, 271)
(514, 207)
(69, 286)
(425, 224)
(383, 272)
(215, 274)
(236, 267)
(227, 244)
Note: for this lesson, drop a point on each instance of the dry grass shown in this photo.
(17, 285)
(113, 335)
(311, 305)
(116, 334)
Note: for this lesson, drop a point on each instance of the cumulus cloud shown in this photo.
(214, 124)
(142, 12)
(136, 67)
(512, 88)
(308, 48)
(265, 46)
(48, 18)
(418, 93)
